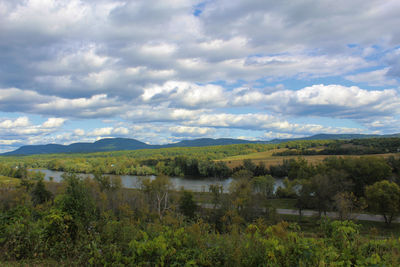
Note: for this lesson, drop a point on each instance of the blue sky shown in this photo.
(163, 71)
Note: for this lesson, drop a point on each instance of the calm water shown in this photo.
(130, 181)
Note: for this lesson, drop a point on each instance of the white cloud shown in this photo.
(373, 78)
(84, 60)
(277, 25)
(156, 64)
(121, 131)
(101, 131)
(109, 131)
(159, 114)
(79, 132)
(263, 122)
(186, 94)
(19, 122)
(191, 131)
(44, 17)
(327, 101)
(162, 49)
(20, 130)
(8, 142)
(53, 123)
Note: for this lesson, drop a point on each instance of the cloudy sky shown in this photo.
(163, 71)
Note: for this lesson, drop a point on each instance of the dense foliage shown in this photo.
(344, 147)
(84, 225)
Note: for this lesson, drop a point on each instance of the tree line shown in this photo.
(342, 147)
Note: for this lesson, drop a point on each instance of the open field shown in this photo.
(8, 181)
(268, 159)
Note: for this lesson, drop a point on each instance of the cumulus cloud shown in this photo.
(53, 122)
(373, 78)
(264, 122)
(19, 122)
(20, 130)
(186, 94)
(191, 131)
(327, 101)
(109, 131)
(290, 25)
(14, 99)
(95, 106)
(84, 60)
(78, 48)
(241, 65)
(159, 114)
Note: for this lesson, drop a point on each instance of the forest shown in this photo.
(96, 221)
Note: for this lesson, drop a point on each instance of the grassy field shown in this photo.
(283, 203)
(8, 181)
(268, 159)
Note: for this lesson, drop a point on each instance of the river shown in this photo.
(130, 181)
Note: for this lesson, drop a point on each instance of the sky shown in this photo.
(163, 71)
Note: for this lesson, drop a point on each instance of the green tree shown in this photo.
(264, 186)
(216, 190)
(108, 183)
(40, 194)
(243, 174)
(249, 165)
(346, 203)
(187, 205)
(304, 198)
(323, 192)
(300, 169)
(384, 198)
(77, 202)
(361, 171)
(157, 191)
(241, 197)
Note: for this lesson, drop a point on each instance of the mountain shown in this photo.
(108, 144)
(114, 144)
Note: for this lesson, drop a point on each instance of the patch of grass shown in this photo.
(8, 181)
(379, 229)
(283, 203)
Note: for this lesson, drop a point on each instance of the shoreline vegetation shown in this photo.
(99, 222)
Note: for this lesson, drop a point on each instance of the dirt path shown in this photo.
(356, 216)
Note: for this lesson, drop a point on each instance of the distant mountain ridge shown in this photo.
(114, 144)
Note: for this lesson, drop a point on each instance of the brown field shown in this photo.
(268, 159)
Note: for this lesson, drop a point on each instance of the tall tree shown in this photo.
(384, 198)
(187, 205)
(40, 194)
(157, 191)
